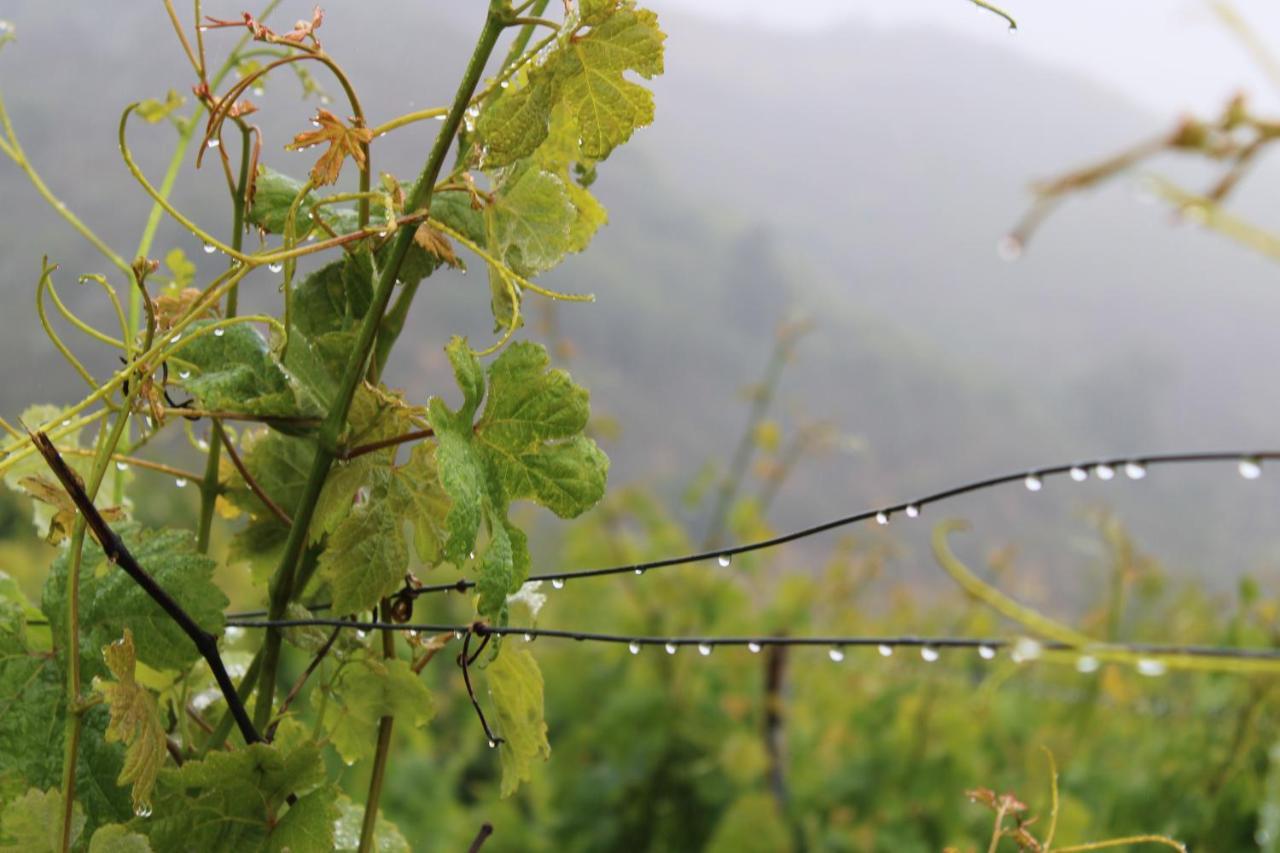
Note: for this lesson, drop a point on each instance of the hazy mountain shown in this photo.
(861, 177)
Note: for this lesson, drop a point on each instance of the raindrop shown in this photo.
(639, 571)
(1250, 469)
(704, 649)
(885, 650)
(184, 374)
(202, 445)
(67, 422)
(1104, 471)
(258, 91)
(315, 123)
(1135, 470)
(1151, 667)
(440, 117)
(528, 638)
(122, 466)
(928, 653)
(180, 482)
(1086, 664)
(1025, 650)
(361, 633)
(275, 267)
(325, 100)
(217, 333)
(177, 337)
(143, 810)
(1079, 473)
(986, 652)
(882, 517)
(913, 510)
(493, 744)
(214, 143)
(558, 583)
(671, 648)
(1009, 248)
(634, 647)
(458, 634)
(1033, 483)
(753, 647)
(836, 654)
(506, 83)
(724, 560)
(471, 555)
(209, 248)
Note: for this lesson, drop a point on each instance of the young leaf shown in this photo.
(529, 220)
(135, 720)
(273, 195)
(346, 832)
(115, 838)
(32, 823)
(515, 686)
(366, 555)
(369, 690)
(236, 372)
(48, 492)
(308, 825)
(343, 141)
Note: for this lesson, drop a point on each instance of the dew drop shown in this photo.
(1250, 469)
(1079, 473)
(493, 744)
(1104, 471)
(639, 571)
(671, 648)
(634, 647)
(928, 653)
(1033, 483)
(209, 248)
(184, 374)
(724, 560)
(836, 654)
(143, 810)
(704, 649)
(1009, 248)
(1026, 650)
(315, 123)
(458, 634)
(440, 117)
(753, 647)
(913, 510)
(202, 445)
(122, 466)
(528, 638)
(471, 555)
(361, 633)
(213, 143)
(885, 650)
(217, 333)
(1151, 667)
(882, 517)
(177, 337)
(180, 482)
(67, 422)
(986, 652)
(275, 267)
(558, 583)
(258, 91)
(1135, 470)
(1086, 664)
(506, 83)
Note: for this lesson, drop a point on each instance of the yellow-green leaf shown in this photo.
(515, 686)
(135, 720)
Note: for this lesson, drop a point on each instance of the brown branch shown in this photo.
(486, 829)
(195, 414)
(113, 546)
(464, 661)
(253, 484)
(302, 679)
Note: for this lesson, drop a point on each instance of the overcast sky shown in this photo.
(1172, 55)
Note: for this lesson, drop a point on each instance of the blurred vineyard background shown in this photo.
(845, 190)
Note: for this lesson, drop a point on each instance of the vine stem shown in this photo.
(75, 711)
(209, 485)
(282, 582)
(380, 754)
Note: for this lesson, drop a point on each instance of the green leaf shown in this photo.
(231, 801)
(527, 444)
(515, 686)
(33, 823)
(529, 220)
(513, 125)
(369, 690)
(273, 194)
(135, 720)
(279, 464)
(325, 312)
(308, 825)
(236, 372)
(181, 269)
(154, 111)
(589, 69)
(426, 505)
(366, 556)
(346, 832)
(115, 838)
(110, 601)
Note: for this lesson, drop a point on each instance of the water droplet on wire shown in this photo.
(882, 517)
(1086, 664)
(836, 654)
(634, 647)
(929, 654)
(704, 649)
(913, 510)
(671, 648)
(724, 560)
(1104, 471)
(558, 583)
(1079, 473)
(1250, 468)
(753, 647)
(986, 652)
(1033, 483)
(1151, 667)
(1135, 470)
(885, 650)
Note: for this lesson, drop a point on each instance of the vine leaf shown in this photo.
(366, 555)
(43, 512)
(515, 685)
(231, 800)
(273, 195)
(33, 823)
(529, 220)
(135, 720)
(236, 372)
(346, 833)
(110, 601)
(527, 444)
(372, 689)
(116, 838)
(343, 141)
(46, 491)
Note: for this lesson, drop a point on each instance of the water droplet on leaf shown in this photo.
(217, 333)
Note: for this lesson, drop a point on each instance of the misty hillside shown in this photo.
(860, 178)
